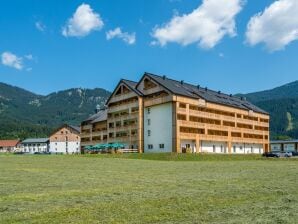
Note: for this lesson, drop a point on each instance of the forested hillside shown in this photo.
(24, 114)
(282, 104)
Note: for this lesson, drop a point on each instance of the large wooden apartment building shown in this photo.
(158, 114)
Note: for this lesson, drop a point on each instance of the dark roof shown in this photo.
(284, 141)
(132, 85)
(197, 92)
(76, 128)
(36, 140)
(100, 116)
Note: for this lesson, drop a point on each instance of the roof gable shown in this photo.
(129, 84)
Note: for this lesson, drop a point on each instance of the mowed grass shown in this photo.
(160, 188)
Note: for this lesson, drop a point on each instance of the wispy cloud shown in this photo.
(276, 26)
(18, 62)
(40, 26)
(83, 22)
(206, 25)
(129, 38)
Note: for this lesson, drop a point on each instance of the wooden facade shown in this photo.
(194, 119)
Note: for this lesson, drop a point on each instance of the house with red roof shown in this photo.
(9, 145)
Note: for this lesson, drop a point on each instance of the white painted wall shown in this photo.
(34, 147)
(60, 147)
(237, 148)
(241, 148)
(160, 126)
(213, 147)
(192, 144)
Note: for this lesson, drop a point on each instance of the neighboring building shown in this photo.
(158, 114)
(9, 145)
(94, 129)
(65, 140)
(32, 145)
(284, 146)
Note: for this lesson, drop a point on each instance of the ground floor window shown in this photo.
(150, 146)
(161, 146)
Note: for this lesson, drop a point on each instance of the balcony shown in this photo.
(123, 107)
(122, 97)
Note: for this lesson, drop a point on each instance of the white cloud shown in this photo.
(40, 26)
(117, 33)
(83, 21)
(29, 57)
(11, 60)
(206, 25)
(276, 26)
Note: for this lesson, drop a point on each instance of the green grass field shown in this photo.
(161, 188)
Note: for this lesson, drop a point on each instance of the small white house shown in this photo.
(35, 145)
(65, 140)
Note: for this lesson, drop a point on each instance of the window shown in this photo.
(149, 122)
(161, 146)
(56, 143)
(150, 146)
(234, 149)
(214, 148)
(221, 149)
(148, 110)
(241, 148)
(149, 133)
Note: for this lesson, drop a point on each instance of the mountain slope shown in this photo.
(282, 104)
(24, 114)
(289, 90)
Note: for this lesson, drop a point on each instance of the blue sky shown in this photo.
(147, 39)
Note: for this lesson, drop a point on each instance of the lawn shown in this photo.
(148, 189)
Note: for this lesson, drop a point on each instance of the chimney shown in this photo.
(182, 82)
(219, 92)
(198, 86)
(164, 77)
(97, 109)
(206, 88)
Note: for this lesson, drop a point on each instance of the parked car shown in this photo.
(294, 153)
(288, 154)
(271, 154)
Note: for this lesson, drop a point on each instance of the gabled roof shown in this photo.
(35, 140)
(130, 84)
(197, 92)
(100, 116)
(76, 129)
(9, 143)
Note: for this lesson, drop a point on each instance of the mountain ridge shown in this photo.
(26, 114)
